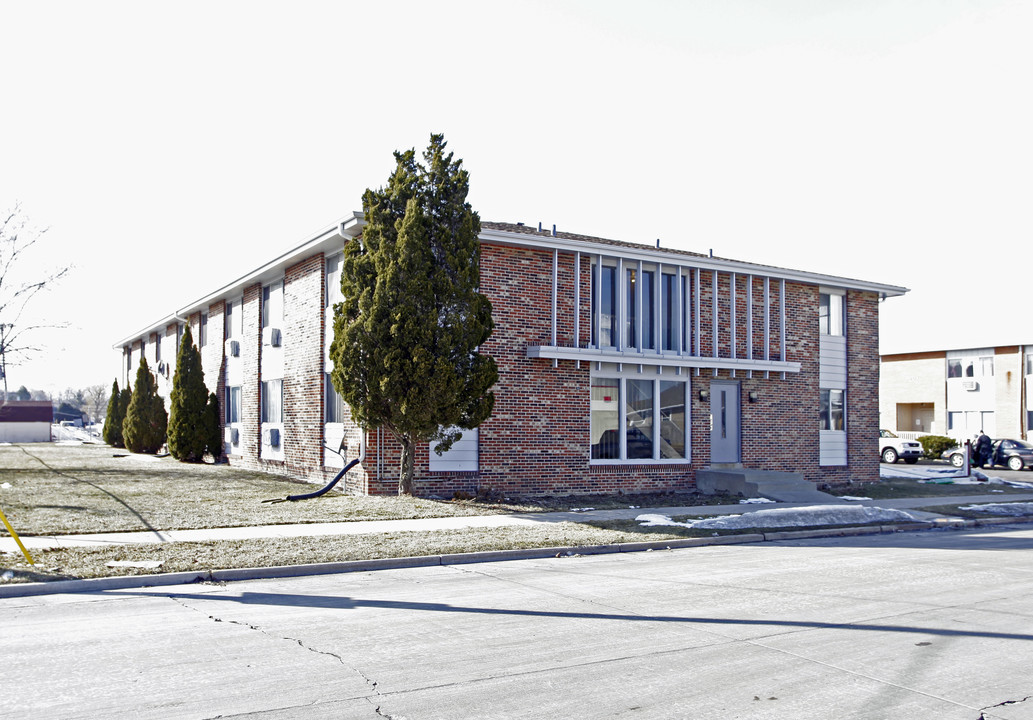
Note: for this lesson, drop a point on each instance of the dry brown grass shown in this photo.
(64, 564)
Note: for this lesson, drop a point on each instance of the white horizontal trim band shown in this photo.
(553, 352)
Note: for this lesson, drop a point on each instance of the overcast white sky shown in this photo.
(171, 148)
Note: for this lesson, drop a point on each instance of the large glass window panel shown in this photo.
(631, 339)
(639, 419)
(672, 419)
(605, 419)
(648, 310)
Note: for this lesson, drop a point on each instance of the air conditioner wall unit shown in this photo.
(271, 437)
(233, 348)
(970, 385)
(271, 336)
(232, 435)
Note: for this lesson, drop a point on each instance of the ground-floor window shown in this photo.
(232, 405)
(639, 419)
(832, 413)
(336, 409)
(968, 423)
(272, 401)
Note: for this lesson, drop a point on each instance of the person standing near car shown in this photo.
(983, 449)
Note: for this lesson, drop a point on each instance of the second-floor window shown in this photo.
(831, 320)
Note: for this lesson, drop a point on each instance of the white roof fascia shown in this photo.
(328, 239)
(647, 254)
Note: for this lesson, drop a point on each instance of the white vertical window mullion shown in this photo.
(621, 311)
(714, 314)
(555, 306)
(782, 324)
(656, 418)
(698, 350)
(731, 291)
(597, 316)
(577, 301)
(638, 306)
(658, 309)
(622, 419)
(749, 322)
(767, 323)
(679, 309)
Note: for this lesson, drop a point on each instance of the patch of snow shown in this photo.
(855, 498)
(786, 517)
(6, 486)
(1018, 509)
(755, 501)
(935, 474)
(142, 457)
(585, 509)
(144, 564)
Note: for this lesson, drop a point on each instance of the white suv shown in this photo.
(892, 447)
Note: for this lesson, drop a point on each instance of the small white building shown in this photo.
(958, 392)
(28, 421)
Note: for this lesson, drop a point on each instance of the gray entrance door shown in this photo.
(724, 422)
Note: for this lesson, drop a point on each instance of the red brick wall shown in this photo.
(303, 368)
(538, 438)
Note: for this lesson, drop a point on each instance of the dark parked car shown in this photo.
(1014, 454)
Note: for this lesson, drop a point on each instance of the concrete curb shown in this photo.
(93, 585)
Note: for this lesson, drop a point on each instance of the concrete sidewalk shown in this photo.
(42, 542)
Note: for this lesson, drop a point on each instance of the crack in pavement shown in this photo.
(982, 711)
(373, 684)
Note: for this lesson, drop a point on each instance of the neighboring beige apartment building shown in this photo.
(958, 392)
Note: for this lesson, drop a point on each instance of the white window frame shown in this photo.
(621, 377)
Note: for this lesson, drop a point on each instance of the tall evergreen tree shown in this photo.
(407, 334)
(188, 431)
(146, 422)
(124, 398)
(112, 430)
(213, 427)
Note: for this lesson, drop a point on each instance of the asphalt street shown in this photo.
(933, 624)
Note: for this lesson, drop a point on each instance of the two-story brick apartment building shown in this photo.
(621, 367)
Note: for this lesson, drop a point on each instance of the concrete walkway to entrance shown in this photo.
(41, 542)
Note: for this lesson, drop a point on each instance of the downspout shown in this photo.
(326, 488)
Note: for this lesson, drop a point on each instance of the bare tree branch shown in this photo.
(16, 291)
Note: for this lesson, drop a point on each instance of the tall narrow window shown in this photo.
(832, 413)
(672, 419)
(605, 419)
(333, 281)
(668, 314)
(639, 419)
(232, 405)
(272, 401)
(202, 330)
(830, 314)
(336, 409)
(648, 310)
(272, 305)
(631, 338)
(606, 312)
